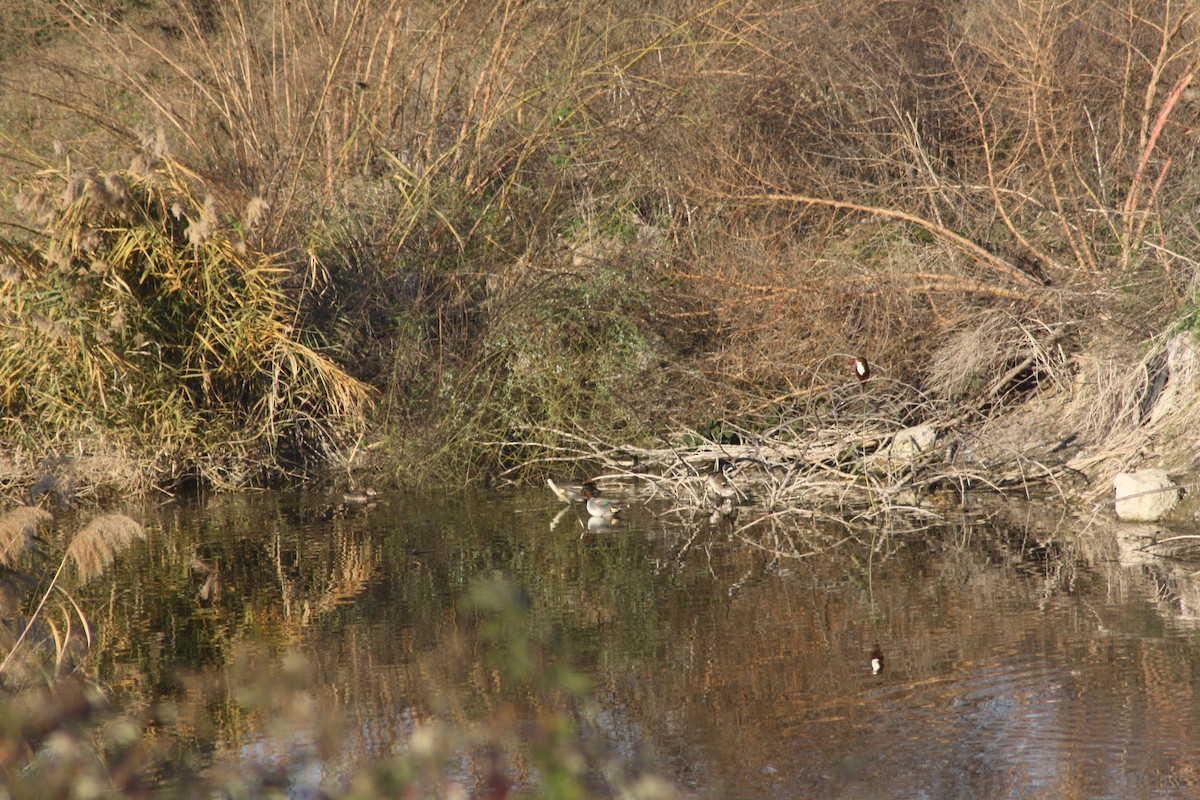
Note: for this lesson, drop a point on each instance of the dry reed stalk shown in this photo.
(1136, 223)
(17, 529)
(957, 240)
(933, 282)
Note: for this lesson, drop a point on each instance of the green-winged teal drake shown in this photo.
(600, 506)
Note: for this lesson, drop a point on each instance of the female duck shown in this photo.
(571, 492)
(720, 484)
(359, 497)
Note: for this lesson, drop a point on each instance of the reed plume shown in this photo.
(256, 210)
(17, 528)
(92, 551)
(95, 546)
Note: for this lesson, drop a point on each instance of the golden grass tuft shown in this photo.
(993, 354)
(17, 529)
(95, 546)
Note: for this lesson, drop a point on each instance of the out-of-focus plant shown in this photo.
(45, 629)
(260, 727)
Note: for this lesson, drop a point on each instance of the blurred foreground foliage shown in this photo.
(64, 737)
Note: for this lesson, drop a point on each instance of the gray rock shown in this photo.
(912, 442)
(906, 447)
(1144, 496)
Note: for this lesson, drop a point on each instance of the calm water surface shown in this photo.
(1021, 657)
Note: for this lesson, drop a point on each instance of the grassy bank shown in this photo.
(447, 242)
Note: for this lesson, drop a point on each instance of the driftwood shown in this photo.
(844, 473)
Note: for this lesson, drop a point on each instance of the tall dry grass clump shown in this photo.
(995, 355)
(318, 105)
(134, 307)
(430, 170)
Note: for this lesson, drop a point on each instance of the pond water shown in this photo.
(1021, 655)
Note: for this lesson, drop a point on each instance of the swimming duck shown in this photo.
(571, 492)
(359, 497)
(599, 506)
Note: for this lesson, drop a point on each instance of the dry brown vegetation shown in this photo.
(527, 223)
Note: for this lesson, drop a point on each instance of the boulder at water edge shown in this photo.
(912, 442)
(1145, 496)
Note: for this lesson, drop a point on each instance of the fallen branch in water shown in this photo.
(847, 457)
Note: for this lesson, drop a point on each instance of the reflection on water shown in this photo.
(1009, 663)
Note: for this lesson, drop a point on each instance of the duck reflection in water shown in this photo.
(601, 524)
(589, 524)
